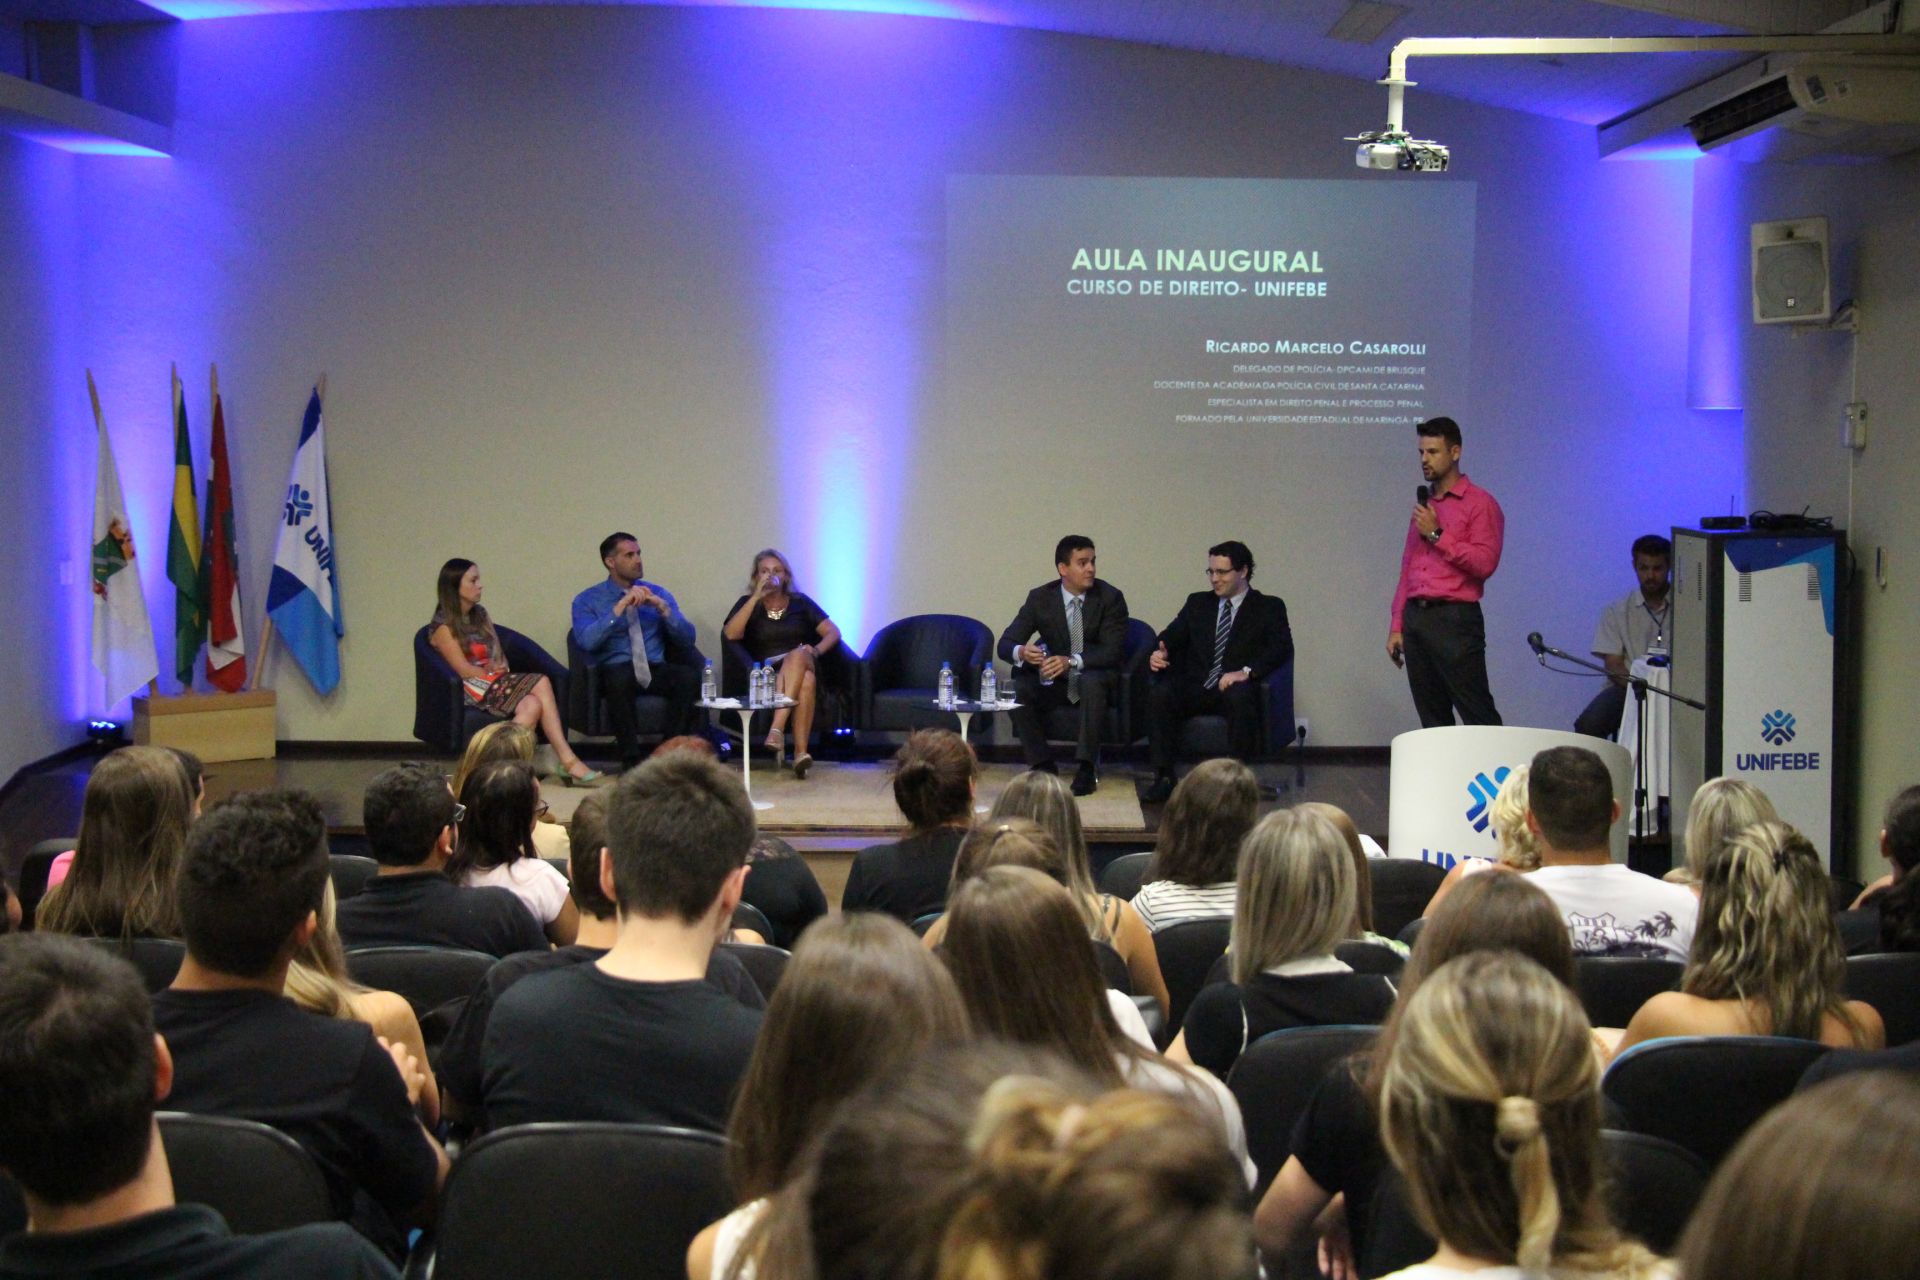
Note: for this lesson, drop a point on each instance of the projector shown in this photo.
(1398, 151)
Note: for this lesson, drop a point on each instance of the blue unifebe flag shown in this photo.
(303, 600)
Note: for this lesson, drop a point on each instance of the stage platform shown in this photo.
(843, 806)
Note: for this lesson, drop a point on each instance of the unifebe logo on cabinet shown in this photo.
(1777, 727)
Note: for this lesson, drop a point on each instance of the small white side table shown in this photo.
(745, 713)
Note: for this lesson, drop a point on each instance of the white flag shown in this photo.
(303, 597)
(122, 634)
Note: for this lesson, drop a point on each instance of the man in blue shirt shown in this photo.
(638, 640)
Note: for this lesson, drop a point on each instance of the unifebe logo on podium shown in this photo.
(1443, 783)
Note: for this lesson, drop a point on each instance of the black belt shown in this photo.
(1430, 602)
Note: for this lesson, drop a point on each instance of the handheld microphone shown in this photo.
(1535, 643)
(1421, 496)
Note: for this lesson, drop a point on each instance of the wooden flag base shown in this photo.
(214, 726)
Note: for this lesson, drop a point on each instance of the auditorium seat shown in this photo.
(584, 1200)
(1272, 1080)
(351, 871)
(1890, 982)
(1704, 1092)
(442, 716)
(764, 964)
(900, 675)
(1122, 876)
(586, 705)
(836, 677)
(425, 977)
(157, 959)
(748, 916)
(34, 869)
(254, 1176)
(1113, 967)
(1204, 737)
(1612, 988)
(1186, 952)
(1402, 888)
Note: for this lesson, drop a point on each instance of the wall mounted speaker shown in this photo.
(1790, 271)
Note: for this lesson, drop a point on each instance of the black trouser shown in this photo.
(1036, 700)
(1602, 717)
(1446, 655)
(678, 683)
(1169, 703)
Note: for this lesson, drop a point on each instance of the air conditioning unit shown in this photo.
(1857, 107)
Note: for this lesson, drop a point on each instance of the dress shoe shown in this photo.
(1085, 780)
(1161, 791)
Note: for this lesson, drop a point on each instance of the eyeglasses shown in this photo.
(459, 812)
(1218, 573)
(542, 809)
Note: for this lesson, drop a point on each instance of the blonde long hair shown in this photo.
(317, 979)
(1721, 808)
(1296, 892)
(1508, 815)
(1766, 933)
(1043, 799)
(1490, 1109)
(501, 740)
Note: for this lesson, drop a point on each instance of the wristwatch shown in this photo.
(1434, 536)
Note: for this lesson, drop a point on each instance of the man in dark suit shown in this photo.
(1081, 623)
(1212, 660)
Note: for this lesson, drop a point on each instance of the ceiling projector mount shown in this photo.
(1394, 148)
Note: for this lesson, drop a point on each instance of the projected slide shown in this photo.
(1196, 304)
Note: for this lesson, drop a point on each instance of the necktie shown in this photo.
(1222, 628)
(1076, 640)
(637, 641)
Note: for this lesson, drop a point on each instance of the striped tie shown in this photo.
(1221, 630)
(1076, 641)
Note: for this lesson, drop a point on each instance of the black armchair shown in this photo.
(1203, 737)
(442, 716)
(586, 704)
(901, 673)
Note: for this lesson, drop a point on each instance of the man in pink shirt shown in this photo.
(1453, 547)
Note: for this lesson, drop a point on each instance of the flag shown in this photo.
(303, 600)
(122, 634)
(183, 549)
(219, 569)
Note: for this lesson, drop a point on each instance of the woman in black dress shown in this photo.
(786, 630)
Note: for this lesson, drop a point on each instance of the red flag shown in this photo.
(226, 642)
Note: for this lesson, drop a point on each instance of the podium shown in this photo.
(1760, 636)
(1442, 782)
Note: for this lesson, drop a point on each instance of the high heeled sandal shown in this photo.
(777, 743)
(801, 763)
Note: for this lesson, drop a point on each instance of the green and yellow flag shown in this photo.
(183, 549)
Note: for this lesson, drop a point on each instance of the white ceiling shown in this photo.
(1591, 90)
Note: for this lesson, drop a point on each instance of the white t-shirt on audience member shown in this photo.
(1613, 910)
(542, 888)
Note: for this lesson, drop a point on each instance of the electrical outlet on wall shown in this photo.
(1300, 729)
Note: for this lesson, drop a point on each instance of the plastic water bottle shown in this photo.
(1046, 680)
(709, 688)
(946, 686)
(989, 686)
(757, 686)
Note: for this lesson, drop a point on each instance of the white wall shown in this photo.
(1797, 386)
(577, 269)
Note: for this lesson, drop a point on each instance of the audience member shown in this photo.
(252, 878)
(1042, 798)
(780, 885)
(1490, 1110)
(1362, 930)
(861, 1001)
(1296, 904)
(1822, 1186)
(1518, 850)
(1766, 959)
(318, 982)
(82, 1071)
(494, 846)
(934, 774)
(994, 1164)
(460, 1054)
(507, 740)
(411, 819)
(1336, 1147)
(638, 1035)
(1190, 876)
(134, 818)
(1887, 911)
(1720, 809)
(196, 783)
(1611, 909)
(1018, 952)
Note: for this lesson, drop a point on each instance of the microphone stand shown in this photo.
(1641, 687)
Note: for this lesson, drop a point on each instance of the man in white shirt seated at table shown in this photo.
(1610, 909)
(1631, 627)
